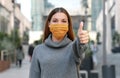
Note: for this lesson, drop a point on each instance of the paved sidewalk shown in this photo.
(16, 72)
(112, 59)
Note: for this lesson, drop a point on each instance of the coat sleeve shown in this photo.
(79, 50)
(35, 70)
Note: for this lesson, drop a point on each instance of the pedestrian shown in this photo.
(30, 51)
(94, 50)
(59, 53)
(19, 56)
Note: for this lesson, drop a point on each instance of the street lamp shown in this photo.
(104, 34)
(86, 17)
(13, 32)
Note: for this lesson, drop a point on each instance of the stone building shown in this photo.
(11, 18)
(112, 22)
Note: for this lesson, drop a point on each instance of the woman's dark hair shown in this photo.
(70, 33)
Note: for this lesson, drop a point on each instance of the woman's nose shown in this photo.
(60, 22)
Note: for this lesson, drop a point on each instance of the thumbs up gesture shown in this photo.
(83, 34)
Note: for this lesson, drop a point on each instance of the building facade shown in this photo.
(37, 9)
(112, 22)
(96, 8)
(40, 12)
(11, 18)
(117, 15)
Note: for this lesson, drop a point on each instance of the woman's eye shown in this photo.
(60, 21)
(64, 21)
(54, 21)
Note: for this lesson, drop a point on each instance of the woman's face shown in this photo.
(59, 18)
(58, 26)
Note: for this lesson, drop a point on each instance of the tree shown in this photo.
(15, 38)
(9, 42)
(116, 39)
(25, 38)
(84, 3)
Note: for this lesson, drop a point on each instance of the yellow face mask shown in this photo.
(59, 30)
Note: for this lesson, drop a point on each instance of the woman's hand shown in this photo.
(83, 34)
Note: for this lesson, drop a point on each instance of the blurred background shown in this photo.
(22, 23)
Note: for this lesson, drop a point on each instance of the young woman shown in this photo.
(57, 56)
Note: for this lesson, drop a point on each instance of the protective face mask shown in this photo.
(59, 30)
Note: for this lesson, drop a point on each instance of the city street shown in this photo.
(23, 72)
(31, 24)
(16, 72)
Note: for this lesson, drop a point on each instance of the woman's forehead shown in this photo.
(59, 15)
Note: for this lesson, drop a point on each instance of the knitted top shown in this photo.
(56, 59)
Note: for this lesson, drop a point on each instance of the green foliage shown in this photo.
(15, 38)
(88, 50)
(116, 39)
(9, 42)
(25, 38)
(39, 41)
(84, 3)
(5, 42)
